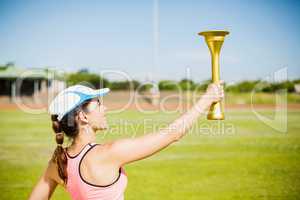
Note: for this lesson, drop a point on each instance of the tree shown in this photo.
(88, 79)
(186, 84)
(167, 85)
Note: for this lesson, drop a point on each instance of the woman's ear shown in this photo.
(82, 117)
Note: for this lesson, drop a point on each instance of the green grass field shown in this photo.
(252, 162)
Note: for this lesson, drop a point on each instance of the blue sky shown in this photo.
(146, 39)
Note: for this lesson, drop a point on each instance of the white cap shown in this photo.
(71, 97)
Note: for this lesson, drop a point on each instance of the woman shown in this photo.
(92, 171)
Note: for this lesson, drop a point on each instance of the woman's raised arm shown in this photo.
(124, 151)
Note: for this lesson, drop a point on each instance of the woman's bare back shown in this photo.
(96, 166)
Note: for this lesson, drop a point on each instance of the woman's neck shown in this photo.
(86, 135)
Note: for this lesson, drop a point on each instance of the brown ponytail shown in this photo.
(59, 156)
(67, 125)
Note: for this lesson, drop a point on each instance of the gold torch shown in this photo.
(214, 40)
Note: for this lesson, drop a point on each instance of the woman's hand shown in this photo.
(214, 92)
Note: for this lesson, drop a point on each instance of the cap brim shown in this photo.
(96, 93)
(77, 98)
(101, 92)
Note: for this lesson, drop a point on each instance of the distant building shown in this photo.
(297, 88)
(28, 82)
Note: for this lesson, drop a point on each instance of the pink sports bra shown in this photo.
(81, 189)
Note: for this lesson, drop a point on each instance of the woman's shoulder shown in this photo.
(101, 155)
(99, 150)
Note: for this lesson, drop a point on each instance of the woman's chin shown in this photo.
(104, 127)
